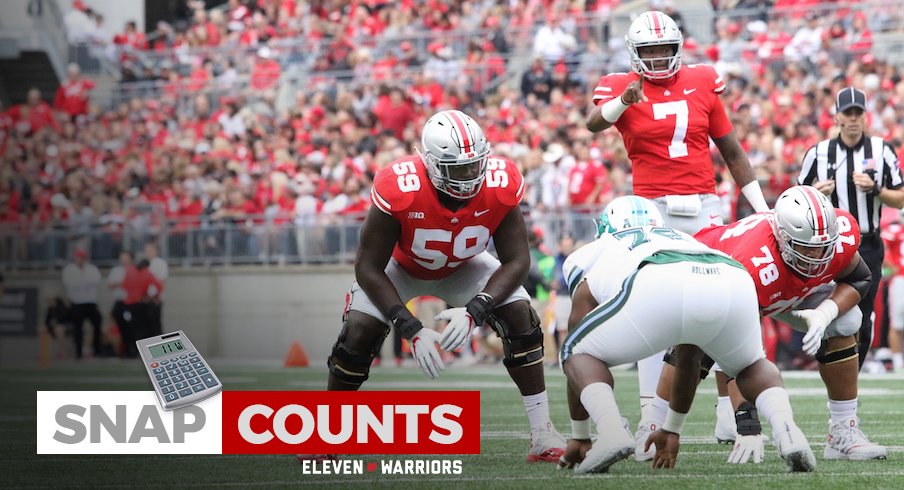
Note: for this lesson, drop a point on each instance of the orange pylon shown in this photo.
(296, 356)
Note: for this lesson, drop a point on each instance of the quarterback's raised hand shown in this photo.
(634, 93)
(423, 347)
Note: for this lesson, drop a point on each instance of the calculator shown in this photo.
(180, 374)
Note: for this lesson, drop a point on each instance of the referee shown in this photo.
(859, 173)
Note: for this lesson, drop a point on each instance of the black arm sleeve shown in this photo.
(859, 279)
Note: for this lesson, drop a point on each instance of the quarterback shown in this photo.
(666, 114)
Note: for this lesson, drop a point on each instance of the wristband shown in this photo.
(407, 325)
(480, 307)
(754, 195)
(613, 109)
(674, 421)
(580, 429)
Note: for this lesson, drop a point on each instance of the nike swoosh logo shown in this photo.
(478, 214)
(689, 91)
(714, 216)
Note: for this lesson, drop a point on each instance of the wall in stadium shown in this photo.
(240, 313)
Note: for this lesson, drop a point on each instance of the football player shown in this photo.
(666, 114)
(706, 303)
(804, 262)
(434, 214)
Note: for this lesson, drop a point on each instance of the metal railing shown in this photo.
(249, 240)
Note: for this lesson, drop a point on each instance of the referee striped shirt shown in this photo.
(832, 159)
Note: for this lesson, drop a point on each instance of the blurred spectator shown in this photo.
(73, 94)
(394, 112)
(552, 42)
(80, 281)
(266, 71)
(34, 115)
(537, 81)
(141, 287)
(114, 281)
(160, 269)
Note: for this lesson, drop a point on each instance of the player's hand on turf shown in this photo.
(667, 444)
(575, 451)
(423, 347)
(458, 331)
(816, 321)
(634, 93)
(747, 448)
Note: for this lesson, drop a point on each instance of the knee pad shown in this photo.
(824, 356)
(351, 363)
(520, 350)
(706, 364)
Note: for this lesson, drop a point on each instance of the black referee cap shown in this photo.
(850, 97)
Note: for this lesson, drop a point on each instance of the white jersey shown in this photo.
(625, 251)
(579, 262)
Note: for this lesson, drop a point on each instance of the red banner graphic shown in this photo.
(355, 422)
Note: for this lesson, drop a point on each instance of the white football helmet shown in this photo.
(654, 28)
(628, 212)
(455, 151)
(806, 229)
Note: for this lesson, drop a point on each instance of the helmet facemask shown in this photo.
(459, 178)
(808, 260)
(645, 66)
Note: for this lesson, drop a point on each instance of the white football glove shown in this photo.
(423, 347)
(747, 447)
(458, 331)
(817, 321)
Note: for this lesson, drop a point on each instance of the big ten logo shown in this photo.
(397, 422)
(125, 422)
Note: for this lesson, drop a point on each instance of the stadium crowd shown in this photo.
(195, 152)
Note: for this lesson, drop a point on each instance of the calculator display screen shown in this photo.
(167, 348)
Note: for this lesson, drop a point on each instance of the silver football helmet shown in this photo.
(628, 212)
(455, 151)
(654, 28)
(806, 229)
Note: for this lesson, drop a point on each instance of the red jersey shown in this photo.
(752, 242)
(435, 240)
(583, 178)
(893, 235)
(667, 138)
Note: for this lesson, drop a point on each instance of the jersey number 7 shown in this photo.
(677, 108)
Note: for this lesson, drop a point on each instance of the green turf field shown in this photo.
(501, 463)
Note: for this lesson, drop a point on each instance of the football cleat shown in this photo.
(794, 449)
(546, 446)
(726, 428)
(847, 441)
(606, 451)
(644, 429)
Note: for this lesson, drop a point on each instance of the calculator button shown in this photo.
(154, 364)
(158, 370)
(167, 389)
(193, 381)
(171, 397)
(164, 382)
(208, 380)
(160, 376)
(198, 365)
(164, 362)
(193, 359)
(198, 388)
(178, 378)
(184, 363)
(186, 369)
(181, 385)
(192, 353)
(183, 356)
(185, 392)
(203, 371)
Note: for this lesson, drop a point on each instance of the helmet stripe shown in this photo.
(657, 25)
(818, 207)
(462, 128)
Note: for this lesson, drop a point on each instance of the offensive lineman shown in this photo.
(427, 233)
